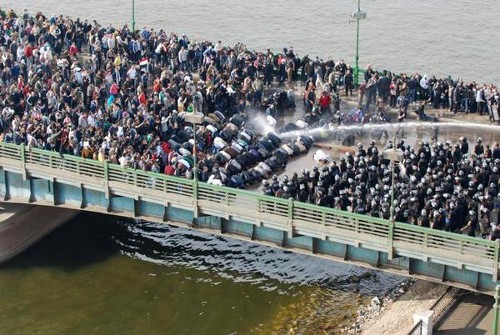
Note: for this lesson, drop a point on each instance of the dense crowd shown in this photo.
(442, 185)
(103, 93)
(446, 93)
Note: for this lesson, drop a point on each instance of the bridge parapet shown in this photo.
(396, 245)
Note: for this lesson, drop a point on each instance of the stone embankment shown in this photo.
(393, 313)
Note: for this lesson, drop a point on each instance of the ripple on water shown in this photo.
(242, 261)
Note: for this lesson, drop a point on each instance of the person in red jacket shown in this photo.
(114, 89)
(142, 98)
(73, 50)
(28, 50)
(325, 101)
(169, 170)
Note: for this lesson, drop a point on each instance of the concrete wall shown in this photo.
(23, 225)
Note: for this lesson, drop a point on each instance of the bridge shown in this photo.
(40, 177)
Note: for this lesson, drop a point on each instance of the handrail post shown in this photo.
(495, 260)
(390, 243)
(106, 178)
(195, 197)
(290, 217)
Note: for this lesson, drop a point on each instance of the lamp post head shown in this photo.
(194, 118)
(393, 155)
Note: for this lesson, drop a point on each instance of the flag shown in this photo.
(144, 63)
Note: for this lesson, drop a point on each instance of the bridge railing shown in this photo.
(288, 215)
(148, 180)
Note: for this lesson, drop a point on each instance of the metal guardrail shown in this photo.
(441, 308)
(417, 328)
(444, 304)
(287, 215)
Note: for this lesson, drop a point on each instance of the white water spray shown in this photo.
(325, 131)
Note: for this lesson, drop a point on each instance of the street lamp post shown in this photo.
(394, 155)
(195, 118)
(133, 16)
(357, 15)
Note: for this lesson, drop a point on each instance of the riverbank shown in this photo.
(394, 313)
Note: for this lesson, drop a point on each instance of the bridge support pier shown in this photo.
(284, 240)
(314, 245)
(32, 192)
(55, 192)
(137, 209)
(222, 225)
(83, 204)
(252, 234)
(6, 195)
(165, 213)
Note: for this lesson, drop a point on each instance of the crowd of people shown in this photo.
(443, 186)
(442, 93)
(117, 95)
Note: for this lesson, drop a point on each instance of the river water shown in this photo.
(102, 275)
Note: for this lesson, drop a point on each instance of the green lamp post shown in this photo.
(357, 15)
(133, 16)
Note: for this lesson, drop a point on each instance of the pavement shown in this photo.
(443, 113)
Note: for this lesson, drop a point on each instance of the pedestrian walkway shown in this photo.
(443, 114)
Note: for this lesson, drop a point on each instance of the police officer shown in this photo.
(478, 148)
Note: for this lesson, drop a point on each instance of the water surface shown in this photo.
(97, 275)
